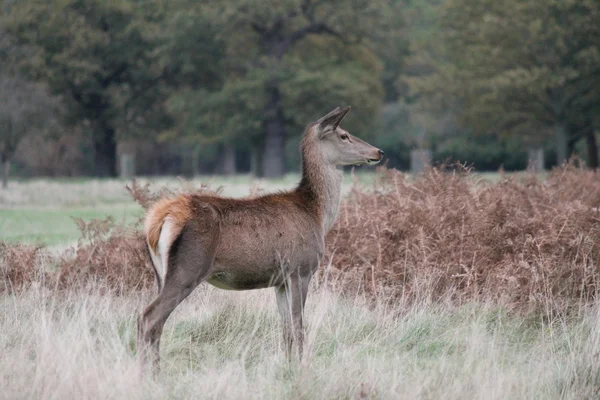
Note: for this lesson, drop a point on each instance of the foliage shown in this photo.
(525, 68)
(212, 81)
(26, 109)
(284, 65)
(483, 154)
(100, 57)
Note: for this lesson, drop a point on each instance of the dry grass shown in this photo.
(431, 270)
(21, 265)
(219, 344)
(106, 254)
(443, 235)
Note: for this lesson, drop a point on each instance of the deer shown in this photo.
(275, 240)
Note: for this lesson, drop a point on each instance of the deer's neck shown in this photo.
(321, 186)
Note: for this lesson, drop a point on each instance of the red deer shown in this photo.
(276, 240)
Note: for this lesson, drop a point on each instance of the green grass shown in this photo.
(55, 226)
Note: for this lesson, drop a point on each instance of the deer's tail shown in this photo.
(163, 225)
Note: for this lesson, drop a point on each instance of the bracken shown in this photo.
(21, 265)
(442, 236)
(524, 241)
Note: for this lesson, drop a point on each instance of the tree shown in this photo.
(286, 63)
(99, 56)
(195, 57)
(518, 67)
(422, 115)
(26, 109)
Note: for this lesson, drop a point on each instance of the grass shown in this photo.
(221, 344)
(54, 226)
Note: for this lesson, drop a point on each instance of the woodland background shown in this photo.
(156, 87)
(450, 283)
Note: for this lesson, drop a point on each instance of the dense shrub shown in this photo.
(112, 256)
(106, 255)
(21, 265)
(442, 235)
(525, 241)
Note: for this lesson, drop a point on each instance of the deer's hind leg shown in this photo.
(190, 262)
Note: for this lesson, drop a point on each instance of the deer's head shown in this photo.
(338, 147)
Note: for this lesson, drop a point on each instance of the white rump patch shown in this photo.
(157, 263)
(160, 259)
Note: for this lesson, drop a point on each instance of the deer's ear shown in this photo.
(332, 120)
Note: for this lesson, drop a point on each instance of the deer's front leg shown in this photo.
(291, 297)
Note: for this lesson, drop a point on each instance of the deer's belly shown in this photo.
(244, 280)
(258, 258)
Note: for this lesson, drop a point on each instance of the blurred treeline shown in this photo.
(228, 86)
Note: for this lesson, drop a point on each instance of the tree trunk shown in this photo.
(105, 147)
(127, 165)
(5, 172)
(196, 161)
(563, 148)
(273, 162)
(535, 159)
(256, 160)
(420, 159)
(592, 147)
(229, 159)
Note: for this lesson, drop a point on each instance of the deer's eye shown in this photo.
(344, 137)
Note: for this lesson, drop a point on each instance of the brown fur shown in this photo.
(177, 208)
(239, 244)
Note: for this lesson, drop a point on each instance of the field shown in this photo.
(40, 211)
(80, 342)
